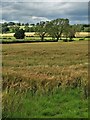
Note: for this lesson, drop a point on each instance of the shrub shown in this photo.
(87, 37)
(4, 38)
(81, 39)
(71, 40)
(19, 34)
(9, 38)
(65, 40)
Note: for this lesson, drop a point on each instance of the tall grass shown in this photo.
(45, 80)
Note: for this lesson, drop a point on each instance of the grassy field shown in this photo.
(45, 80)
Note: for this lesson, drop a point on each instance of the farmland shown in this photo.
(33, 37)
(45, 80)
(78, 34)
(44, 60)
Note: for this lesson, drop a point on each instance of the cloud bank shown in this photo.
(33, 12)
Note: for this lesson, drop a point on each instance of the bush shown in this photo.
(4, 38)
(81, 39)
(65, 40)
(71, 40)
(9, 38)
(19, 34)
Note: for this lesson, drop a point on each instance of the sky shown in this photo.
(34, 11)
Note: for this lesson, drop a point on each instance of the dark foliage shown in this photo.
(19, 34)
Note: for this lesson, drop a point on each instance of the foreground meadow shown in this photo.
(45, 80)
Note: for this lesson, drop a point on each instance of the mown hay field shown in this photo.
(44, 70)
(78, 34)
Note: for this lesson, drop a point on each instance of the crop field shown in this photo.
(45, 80)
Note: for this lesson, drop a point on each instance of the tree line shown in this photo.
(54, 28)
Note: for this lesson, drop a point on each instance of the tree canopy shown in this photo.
(41, 29)
(19, 34)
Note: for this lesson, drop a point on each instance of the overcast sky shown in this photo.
(33, 11)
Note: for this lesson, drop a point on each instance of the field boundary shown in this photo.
(12, 42)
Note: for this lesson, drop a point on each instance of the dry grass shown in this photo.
(45, 80)
(45, 66)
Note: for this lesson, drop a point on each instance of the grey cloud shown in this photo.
(21, 11)
(45, 1)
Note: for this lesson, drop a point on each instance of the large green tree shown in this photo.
(73, 29)
(70, 31)
(56, 27)
(41, 29)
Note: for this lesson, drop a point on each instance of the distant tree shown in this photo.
(0, 28)
(16, 28)
(49, 29)
(86, 25)
(66, 29)
(13, 29)
(37, 24)
(19, 34)
(22, 24)
(27, 24)
(32, 29)
(18, 24)
(5, 29)
(11, 23)
(86, 29)
(27, 29)
(71, 32)
(66, 32)
(74, 29)
(41, 29)
(32, 24)
(56, 27)
(5, 24)
(79, 27)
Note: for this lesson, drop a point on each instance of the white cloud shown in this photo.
(39, 18)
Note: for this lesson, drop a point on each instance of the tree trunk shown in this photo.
(42, 38)
(60, 38)
(67, 39)
(57, 38)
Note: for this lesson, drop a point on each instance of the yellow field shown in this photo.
(78, 34)
(11, 34)
(82, 34)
